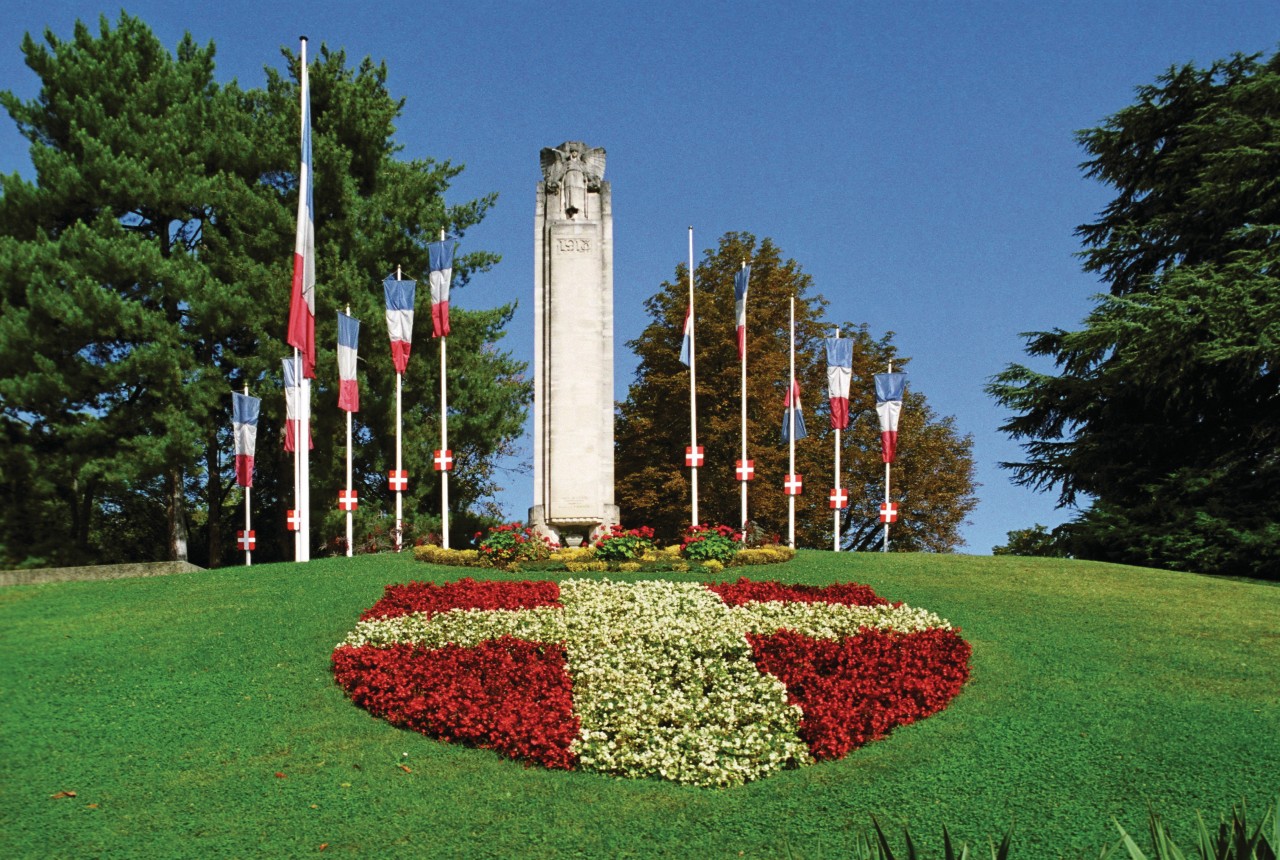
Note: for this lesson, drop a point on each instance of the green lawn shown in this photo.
(169, 705)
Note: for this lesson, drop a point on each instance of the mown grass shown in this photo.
(168, 706)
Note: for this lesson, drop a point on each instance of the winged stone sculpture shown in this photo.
(572, 169)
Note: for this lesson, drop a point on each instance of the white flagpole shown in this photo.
(744, 411)
(885, 548)
(399, 542)
(444, 440)
(349, 528)
(791, 434)
(835, 528)
(248, 556)
(297, 458)
(693, 392)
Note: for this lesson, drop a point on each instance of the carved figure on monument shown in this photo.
(573, 498)
(571, 170)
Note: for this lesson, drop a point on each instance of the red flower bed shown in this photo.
(747, 591)
(856, 689)
(464, 594)
(506, 694)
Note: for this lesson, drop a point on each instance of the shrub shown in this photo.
(513, 542)
(704, 543)
(624, 544)
(770, 554)
(453, 557)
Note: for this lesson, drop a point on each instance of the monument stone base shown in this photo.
(574, 531)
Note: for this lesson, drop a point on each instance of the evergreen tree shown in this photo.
(144, 274)
(933, 482)
(1164, 408)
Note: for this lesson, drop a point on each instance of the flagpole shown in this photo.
(444, 439)
(885, 548)
(399, 467)
(791, 431)
(743, 399)
(248, 556)
(835, 528)
(349, 528)
(693, 392)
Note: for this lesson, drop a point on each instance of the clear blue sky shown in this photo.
(916, 158)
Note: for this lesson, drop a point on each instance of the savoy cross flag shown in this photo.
(244, 421)
(890, 388)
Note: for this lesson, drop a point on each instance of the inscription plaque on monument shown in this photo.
(573, 346)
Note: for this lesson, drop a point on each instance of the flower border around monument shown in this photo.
(706, 684)
(703, 549)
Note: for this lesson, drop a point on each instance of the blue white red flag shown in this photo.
(839, 378)
(348, 343)
(244, 424)
(399, 295)
(890, 388)
(686, 343)
(302, 298)
(741, 279)
(296, 408)
(791, 409)
(441, 254)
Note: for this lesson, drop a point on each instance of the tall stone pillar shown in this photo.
(573, 346)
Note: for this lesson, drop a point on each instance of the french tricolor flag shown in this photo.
(348, 342)
(686, 343)
(791, 408)
(295, 405)
(244, 424)
(399, 295)
(839, 378)
(302, 299)
(441, 254)
(741, 279)
(890, 388)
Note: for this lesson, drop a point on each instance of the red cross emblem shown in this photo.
(693, 456)
(839, 499)
(745, 469)
(444, 460)
(348, 500)
(294, 520)
(888, 512)
(399, 480)
(247, 540)
(793, 485)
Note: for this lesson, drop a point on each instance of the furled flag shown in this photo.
(348, 343)
(441, 254)
(889, 390)
(295, 405)
(740, 280)
(686, 343)
(244, 422)
(839, 376)
(791, 406)
(399, 296)
(302, 300)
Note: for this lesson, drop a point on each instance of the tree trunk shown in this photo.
(214, 496)
(175, 513)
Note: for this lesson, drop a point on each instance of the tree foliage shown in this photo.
(1164, 409)
(144, 274)
(933, 474)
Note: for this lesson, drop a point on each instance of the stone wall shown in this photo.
(101, 571)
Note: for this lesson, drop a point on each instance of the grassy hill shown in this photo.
(196, 716)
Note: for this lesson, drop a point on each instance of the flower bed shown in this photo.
(702, 684)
